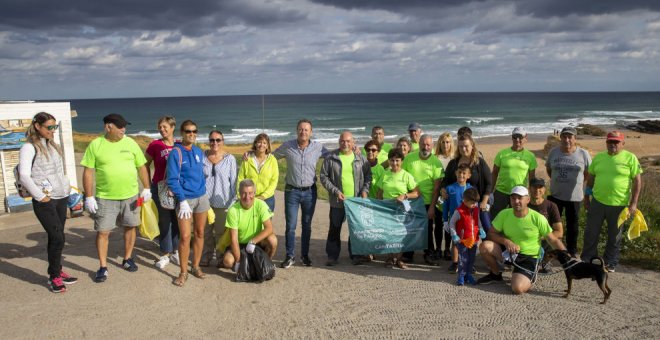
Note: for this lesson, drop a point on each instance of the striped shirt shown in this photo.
(301, 163)
(221, 188)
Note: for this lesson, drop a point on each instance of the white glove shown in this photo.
(184, 210)
(90, 204)
(249, 248)
(146, 195)
(236, 266)
(445, 226)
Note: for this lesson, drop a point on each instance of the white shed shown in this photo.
(14, 118)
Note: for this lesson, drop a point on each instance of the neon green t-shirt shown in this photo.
(395, 184)
(514, 168)
(382, 155)
(614, 174)
(414, 146)
(347, 179)
(115, 164)
(526, 232)
(248, 222)
(425, 172)
(376, 174)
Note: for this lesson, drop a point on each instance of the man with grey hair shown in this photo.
(415, 132)
(249, 223)
(428, 173)
(344, 174)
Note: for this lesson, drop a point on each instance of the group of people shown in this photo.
(502, 210)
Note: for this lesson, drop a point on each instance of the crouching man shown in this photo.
(249, 224)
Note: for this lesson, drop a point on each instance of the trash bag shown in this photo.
(210, 216)
(149, 220)
(263, 266)
(245, 271)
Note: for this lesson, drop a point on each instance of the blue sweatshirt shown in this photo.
(455, 192)
(185, 175)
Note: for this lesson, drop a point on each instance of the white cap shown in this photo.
(520, 191)
(519, 131)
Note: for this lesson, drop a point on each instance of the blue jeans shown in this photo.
(466, 258)
(167, 224)
(270, 201)
(306, 200)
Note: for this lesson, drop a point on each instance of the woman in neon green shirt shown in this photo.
(397, 184)
(261, 168)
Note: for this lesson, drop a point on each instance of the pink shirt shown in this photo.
(158, 152)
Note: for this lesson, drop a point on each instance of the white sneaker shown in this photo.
(163, 261)
(175, 258)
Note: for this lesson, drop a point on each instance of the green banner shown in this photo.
(384, 227)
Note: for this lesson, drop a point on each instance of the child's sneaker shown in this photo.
(460, 281)
(453, 268)
(67, 279)
(101, 275)
(163, 261)
(470, 280)
(56, 285)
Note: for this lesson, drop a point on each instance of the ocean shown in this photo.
(241, 118)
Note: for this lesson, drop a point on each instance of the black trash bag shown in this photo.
(246, 271)
(263, 266)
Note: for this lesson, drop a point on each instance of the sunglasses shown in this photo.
(372, 150)
(52, 127)
(517, 137)
(213, 171)
(190, 131)
(215, 140)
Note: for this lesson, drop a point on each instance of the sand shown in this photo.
(346, 301)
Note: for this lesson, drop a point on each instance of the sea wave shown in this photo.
(359, 128)
(477, 120)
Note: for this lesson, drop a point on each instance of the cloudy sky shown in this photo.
(132, 48)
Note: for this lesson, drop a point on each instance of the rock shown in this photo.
(646, 126)
(588, 129)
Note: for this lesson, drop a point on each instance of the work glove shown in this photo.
(455, 239)
(249, 248)
(145, 195)
(184, 210)
(482, 234)
(236, 266)
(445, 226)
(90, 204)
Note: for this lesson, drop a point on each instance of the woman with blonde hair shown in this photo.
(444, 149)
(261, 167)
(41, 169)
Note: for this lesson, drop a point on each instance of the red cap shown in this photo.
(615, 135)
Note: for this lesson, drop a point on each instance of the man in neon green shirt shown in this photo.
(415, 132)
(428, 173)
(116, 160)
(378, 135)
(519, 230)
(249, 224)
(614, 181)
(344, 174)
(512, 166)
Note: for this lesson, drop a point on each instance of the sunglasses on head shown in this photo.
(215, 140)
(52, 127)
(190, 131)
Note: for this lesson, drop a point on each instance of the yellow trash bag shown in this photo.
(149, 220)
(210, 218)
(637, 225)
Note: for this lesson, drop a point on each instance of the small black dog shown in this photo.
(583, 270)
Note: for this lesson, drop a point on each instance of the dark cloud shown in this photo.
(190, 17)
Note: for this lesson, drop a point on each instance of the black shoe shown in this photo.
(447, 255)
(431, 260)
(490, 278)
(288, 262)
(453, 268)
(330, 263)
(306, 261)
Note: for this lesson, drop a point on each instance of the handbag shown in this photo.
(165, 195)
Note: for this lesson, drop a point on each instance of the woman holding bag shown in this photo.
(185, 178)
(42, 174)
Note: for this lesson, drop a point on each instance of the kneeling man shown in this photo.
(249, 223)
(518, 230)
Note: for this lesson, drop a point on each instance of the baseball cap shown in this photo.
(520, 191)
(519, 131)
(537, 182)
(615, 135)
(115, 119)
(414, 126)
(569, 130)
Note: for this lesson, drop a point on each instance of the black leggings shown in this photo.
(52, 216)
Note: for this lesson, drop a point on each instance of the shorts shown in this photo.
(198, 205)
(527, 262)
(116, 213)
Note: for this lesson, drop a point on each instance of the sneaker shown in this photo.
(460, 281)
(129, 265)
(162, 261)
(610, 268)
(101, 275)
(56, 285)
(453, 268)
(490, 278)
(174, 258)
(68, 279)
(470, 280)
(431, 260)
(331, 263)
(288, 262)
(306, 261)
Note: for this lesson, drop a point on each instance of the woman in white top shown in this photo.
(444, 149)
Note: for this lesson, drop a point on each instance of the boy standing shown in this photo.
(455, 193)
(466, 230)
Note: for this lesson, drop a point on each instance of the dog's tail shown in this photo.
(600, 259)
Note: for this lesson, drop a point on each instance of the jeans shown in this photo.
(52, 216)
(571, 209)
(599, 212)
(306, 200)
(333, 244)
(501, 201)
(167, 224)
(466, 258)
(270, 201)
